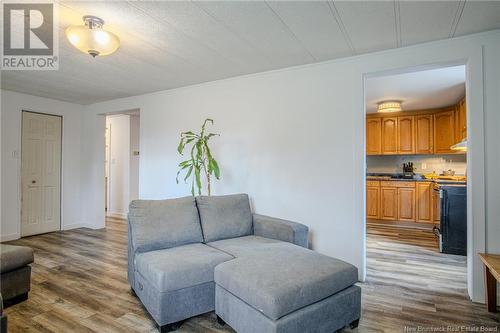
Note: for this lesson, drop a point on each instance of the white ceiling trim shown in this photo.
(338, 19)
(456, 19)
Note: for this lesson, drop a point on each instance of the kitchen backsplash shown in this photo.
(422, 163)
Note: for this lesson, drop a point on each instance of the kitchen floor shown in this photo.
(411, 233)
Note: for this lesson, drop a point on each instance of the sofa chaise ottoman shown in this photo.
(15, 273)
(189, 256)
(287, 289)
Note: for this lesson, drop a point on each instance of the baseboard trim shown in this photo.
(117, 215)
(9, 237)
(74, 226)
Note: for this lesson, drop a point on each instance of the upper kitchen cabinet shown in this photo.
(374, 136)
(416, 132)
(406, 135)
(389, 136)
(424, 134)
(461, 121)
(444, 132)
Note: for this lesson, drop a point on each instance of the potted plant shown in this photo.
(200, 162)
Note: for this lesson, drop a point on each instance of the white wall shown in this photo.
(12, 105)
(294, 140)
(422, 163)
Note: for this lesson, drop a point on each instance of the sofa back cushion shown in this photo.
(162, 224)
(226, 216)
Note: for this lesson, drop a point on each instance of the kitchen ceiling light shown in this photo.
(389, 106)
(91, 38)
(461, 146)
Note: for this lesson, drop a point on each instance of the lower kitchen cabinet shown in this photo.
(406, 203)
(424, 201)
(372, 199)
(388, 203)
(401, 201)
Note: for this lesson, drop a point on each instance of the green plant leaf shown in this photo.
(180, 147)
(199, 150)
(215, 168)
(205, 123)
(211, 135)
(184, 163)
(190, 170)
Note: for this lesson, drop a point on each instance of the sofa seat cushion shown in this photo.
(245, 246)
(286, 279)
(226, 216)
(13, 257)
(180, 267)
(162, 224)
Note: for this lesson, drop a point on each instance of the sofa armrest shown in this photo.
(283, 230)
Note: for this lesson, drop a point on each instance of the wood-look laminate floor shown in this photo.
(79, 284)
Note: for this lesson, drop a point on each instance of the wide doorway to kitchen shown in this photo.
(416, 195)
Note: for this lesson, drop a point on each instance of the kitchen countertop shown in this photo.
(416, 178)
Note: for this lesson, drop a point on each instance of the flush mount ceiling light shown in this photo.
(91, 38)
(389, 106)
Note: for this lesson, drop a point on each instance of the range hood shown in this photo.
(461, 146)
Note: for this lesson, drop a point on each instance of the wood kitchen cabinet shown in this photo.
(444, 132)
(401, 201)
(424, 134)
(406, 135)
(406, 203)
(388, 203)
(389, 136)
(424, 202)
(373, 136)
(372, 199)
(461, 121)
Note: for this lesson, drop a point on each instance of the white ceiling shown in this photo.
(172, 44)
(417, 90)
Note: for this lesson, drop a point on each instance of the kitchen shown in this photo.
(416, 164)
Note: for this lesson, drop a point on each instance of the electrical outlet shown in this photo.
(424, 166)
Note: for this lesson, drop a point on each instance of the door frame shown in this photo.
(23, 111)
(476, 200)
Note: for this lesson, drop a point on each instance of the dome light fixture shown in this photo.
(389, 106)
(91, 38)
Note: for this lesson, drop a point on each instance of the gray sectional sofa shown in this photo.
(190, 255)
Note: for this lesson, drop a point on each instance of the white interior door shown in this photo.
(40, 173)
